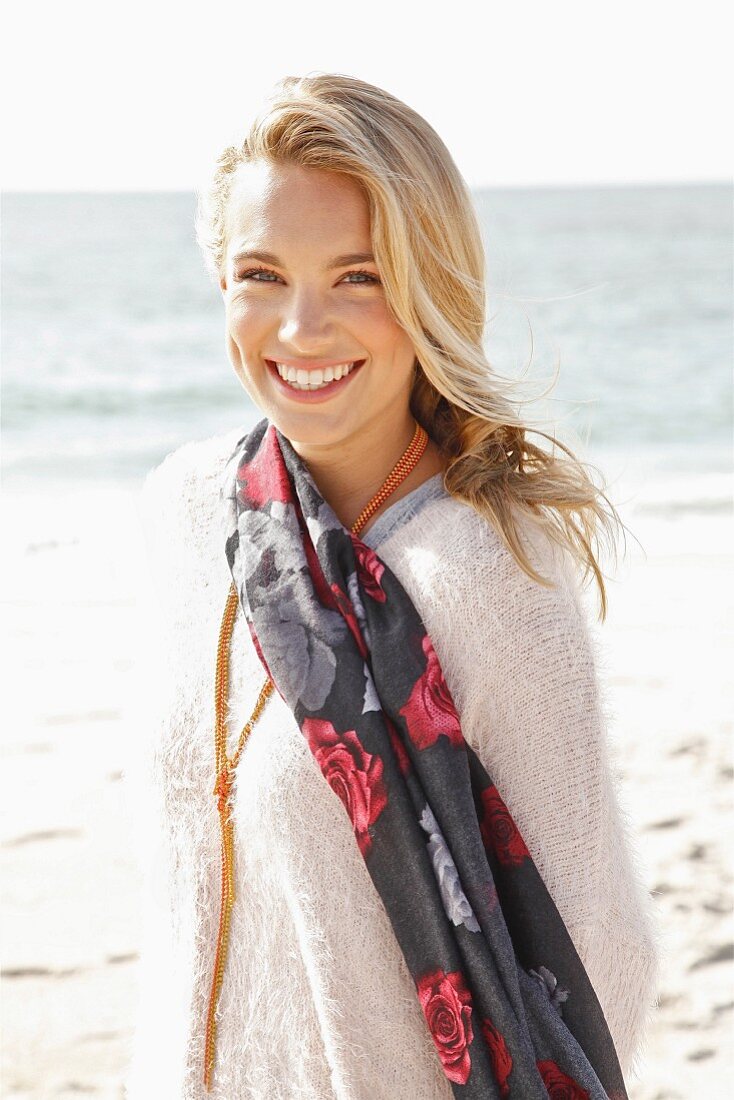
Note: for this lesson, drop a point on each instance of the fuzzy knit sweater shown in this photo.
(317, 1001)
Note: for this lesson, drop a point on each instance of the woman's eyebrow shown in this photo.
(338, 261)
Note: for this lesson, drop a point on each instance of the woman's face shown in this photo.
(313, 303)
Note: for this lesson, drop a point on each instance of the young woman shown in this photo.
(391, 863)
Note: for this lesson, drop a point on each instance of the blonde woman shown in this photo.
(391, 863)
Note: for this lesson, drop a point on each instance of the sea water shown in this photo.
(114, 341)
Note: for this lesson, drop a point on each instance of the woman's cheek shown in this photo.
(245, 325)
(234, 354)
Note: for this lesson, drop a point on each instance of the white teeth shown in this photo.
(313, 380)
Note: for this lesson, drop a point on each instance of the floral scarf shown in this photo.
(506, 999)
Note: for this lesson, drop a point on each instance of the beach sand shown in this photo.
(71, 907)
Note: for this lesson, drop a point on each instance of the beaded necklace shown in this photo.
(225, 767)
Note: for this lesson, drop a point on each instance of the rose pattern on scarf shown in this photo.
(499, 1055)
(258, 649)
(371, 702)
(549, 984)
(258, 549)
(398, 748)
(370, 569)
(370, 698)
(368, 703)
(447, 1006)
(430, 711)
(353, 774)
(345, 606)
(321, 588)
(455, 901)
(303, 632)
(355, 598)
(306, 654)
(499, 831)
(558, 1084)
(264, 479)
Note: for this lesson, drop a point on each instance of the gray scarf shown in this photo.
(506, 999)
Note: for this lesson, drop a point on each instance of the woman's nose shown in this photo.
(306, 322)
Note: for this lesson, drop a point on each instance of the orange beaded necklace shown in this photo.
(225, 767)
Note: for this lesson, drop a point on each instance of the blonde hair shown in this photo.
(428, 248)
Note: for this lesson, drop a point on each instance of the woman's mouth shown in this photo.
(312, 385)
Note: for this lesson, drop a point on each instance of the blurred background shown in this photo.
(592, 140)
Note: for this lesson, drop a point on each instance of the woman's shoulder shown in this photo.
(180, 515)
(462, 574)
(192, 467)
(461, 549)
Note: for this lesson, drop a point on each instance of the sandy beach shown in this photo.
(73, 571)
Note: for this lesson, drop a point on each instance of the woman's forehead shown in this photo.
(274, 207)
(270, 185)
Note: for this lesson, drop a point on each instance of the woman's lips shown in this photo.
(313, 395)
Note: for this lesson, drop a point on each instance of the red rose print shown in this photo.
(500, 1055)
(446, 1003)
(344, 605)
(399, 749)
(558, 1085)
(430, 710)
(499, 831)
(355, 775)
(266, 477)
(369, 569)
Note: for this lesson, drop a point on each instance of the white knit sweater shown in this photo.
(317, 1001)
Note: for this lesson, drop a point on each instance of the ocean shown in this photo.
(113, 333)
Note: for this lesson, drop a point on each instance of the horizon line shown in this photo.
(520, 186)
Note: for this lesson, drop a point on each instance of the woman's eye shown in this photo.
(365, 274)
(256, 271)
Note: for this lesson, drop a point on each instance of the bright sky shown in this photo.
(141, 95)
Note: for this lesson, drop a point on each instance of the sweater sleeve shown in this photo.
(519, 661)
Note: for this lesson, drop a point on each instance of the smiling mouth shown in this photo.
(313, 381)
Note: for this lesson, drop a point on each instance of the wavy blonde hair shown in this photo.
(428, 248)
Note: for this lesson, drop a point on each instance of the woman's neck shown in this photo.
(351, 480)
